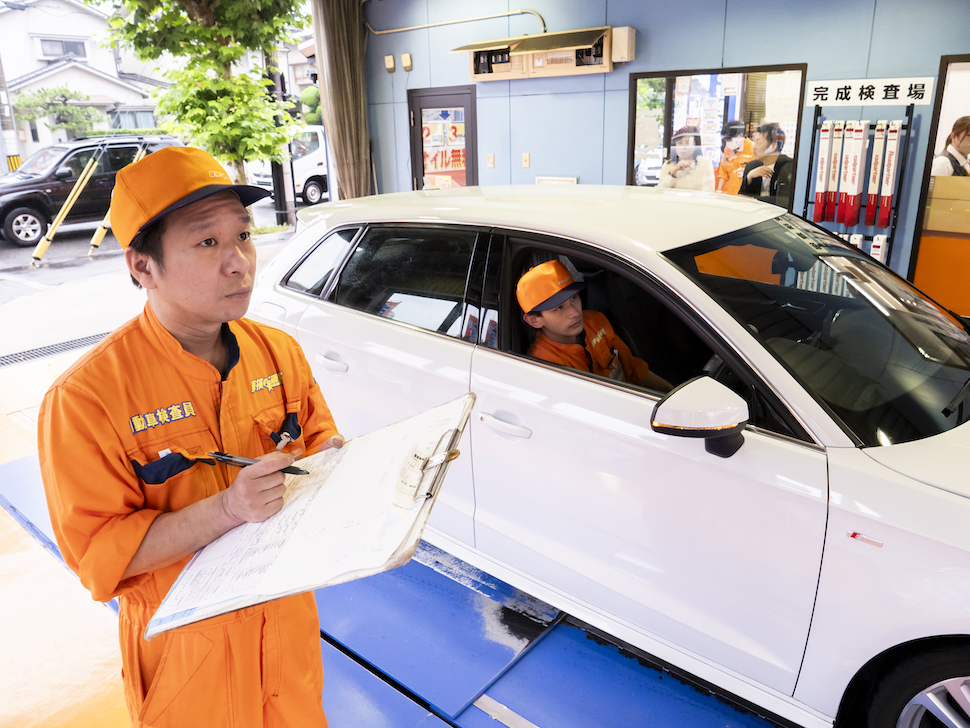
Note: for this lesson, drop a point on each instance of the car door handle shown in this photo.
(331, 364)
(506, 428)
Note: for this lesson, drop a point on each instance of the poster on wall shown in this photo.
(901, 91)
(443, 144)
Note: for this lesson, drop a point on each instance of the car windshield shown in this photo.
(41, 161)
(886, 361)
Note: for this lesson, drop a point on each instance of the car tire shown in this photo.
(24, 226)
(911, 695)
(313, 191)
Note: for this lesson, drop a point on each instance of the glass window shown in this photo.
(412, 275)
(41, 161)
(314, 271)
(305, 143)
(77, 162)
(888, 362)
(653, 332)
(63, 47)
(119, 157)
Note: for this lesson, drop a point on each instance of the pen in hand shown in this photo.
(241, 462)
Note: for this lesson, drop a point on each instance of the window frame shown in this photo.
(326, 295)
(653, 286)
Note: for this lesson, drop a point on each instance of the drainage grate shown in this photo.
(30, 354)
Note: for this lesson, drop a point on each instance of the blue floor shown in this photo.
(448, 634)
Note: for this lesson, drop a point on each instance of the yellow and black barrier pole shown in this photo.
(86, 173)
(106, 223)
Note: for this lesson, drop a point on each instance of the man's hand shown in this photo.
(257, 492)
(336, 442)
(762, 171)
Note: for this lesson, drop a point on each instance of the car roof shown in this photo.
(629, 219)
(120, 138)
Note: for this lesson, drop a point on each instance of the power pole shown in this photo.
(283, 193)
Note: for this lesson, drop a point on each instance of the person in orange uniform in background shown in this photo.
(569, 336)
(737, 152)
(124, 436)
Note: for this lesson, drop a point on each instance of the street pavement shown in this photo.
(70, 296)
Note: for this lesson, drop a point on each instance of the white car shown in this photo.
(814, 561)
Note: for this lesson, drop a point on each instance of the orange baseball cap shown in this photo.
(545, 286)
(165, 181)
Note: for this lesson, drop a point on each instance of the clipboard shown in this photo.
(345, 520)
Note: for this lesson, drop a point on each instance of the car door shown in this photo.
(391, 338)
(716, 556)
(96, 195)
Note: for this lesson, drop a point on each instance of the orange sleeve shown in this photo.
(96, 503)
(317, 424)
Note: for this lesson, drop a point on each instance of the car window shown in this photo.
(653, 331)
(41, 161)
(305, 143)
(312, 274)
(413, 275)
(119, 157)
(885, 360)
(77, 161)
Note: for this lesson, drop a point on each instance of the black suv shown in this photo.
(32, 195)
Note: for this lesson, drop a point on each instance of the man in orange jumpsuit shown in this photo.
(569, 336)
(124, 436)
(737, 153)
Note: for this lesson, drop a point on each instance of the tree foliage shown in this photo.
(221, 108)
(55, 104)
(310, 98)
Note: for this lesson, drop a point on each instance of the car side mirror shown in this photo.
(64, 173)
(703, 407)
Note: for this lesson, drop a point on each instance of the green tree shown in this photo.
(310, 98)
(229, 114)
(55, 104)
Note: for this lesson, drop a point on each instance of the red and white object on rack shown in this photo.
(822, 171)
(835, 156)
(856, 176)
(875, 171)
(889, 175)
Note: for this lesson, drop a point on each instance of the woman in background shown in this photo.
(688, 168)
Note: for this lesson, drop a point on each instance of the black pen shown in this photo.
(241, 462)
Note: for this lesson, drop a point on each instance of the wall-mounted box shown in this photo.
(624, 44)
(567, 53)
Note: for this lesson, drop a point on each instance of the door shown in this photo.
(444, 148)
(390, 340)
(95, 199)
(718, 556)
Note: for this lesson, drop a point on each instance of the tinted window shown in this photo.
(76, 162)
(313, 273)
(119, 157)
(886, 360)
(412, 275)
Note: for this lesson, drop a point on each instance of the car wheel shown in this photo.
(925, 692)
(24, 226)
(312, 192)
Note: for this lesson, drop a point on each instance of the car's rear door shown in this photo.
(390, 338)
(718, 556)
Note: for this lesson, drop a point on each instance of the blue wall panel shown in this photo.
(578, 125)
(550, 128)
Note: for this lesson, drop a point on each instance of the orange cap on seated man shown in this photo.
(545, 286)
(165, 181)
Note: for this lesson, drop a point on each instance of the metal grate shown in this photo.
(31, 354)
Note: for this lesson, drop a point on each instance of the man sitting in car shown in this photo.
(567, 335)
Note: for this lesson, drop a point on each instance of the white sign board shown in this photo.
(870, 92)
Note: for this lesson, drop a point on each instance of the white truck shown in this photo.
(310, 164)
